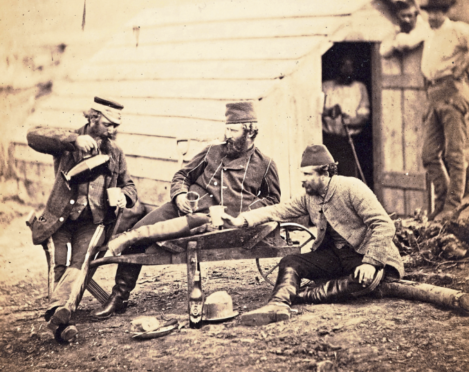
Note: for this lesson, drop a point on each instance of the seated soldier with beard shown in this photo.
(234, 174)
(352, 253)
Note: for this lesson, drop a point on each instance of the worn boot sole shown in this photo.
(68, 333)
(257, 318)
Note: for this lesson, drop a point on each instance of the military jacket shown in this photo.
(60, 144)
(242, 184)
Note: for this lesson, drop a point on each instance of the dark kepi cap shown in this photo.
(110, 109)
(437, 4)
(240, 112)
(316, 155)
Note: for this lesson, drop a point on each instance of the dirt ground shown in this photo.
(367, 334)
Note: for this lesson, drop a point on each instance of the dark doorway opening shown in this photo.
(361, 53)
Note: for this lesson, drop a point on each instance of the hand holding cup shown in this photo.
(188, 203)
(116, 197)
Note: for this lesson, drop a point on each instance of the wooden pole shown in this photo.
(441, 296)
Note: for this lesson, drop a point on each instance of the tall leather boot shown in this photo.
(164, 230)
(337, 290)
(441, 190)
(140, 239)
(126, 280)
(278, 308)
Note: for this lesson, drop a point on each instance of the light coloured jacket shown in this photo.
(352, 209)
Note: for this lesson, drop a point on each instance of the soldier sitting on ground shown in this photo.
(354, 250)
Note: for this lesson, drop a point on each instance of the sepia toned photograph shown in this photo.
(234, 185)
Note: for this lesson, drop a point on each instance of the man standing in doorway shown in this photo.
(445, 63)
(346, 104)
(235, 174)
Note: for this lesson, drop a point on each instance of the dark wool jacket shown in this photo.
(248, 182)
(60, 144)
(352, 210)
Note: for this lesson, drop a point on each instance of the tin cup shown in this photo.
(193, 198)
(216, 212)
(113, 194)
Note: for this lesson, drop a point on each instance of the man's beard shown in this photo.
(407, 27)
(234, 149)
(112, 136)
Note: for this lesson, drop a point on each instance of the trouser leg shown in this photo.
(432, 157)
(127, 274)
(326, 262)
(83, 237)
(452, 116)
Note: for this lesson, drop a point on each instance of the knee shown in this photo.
(288, 261)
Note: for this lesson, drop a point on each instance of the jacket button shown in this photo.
(321, 211)
(215, 183)
(322, 228)
(72, 201)
(211, 196)
(61, 219)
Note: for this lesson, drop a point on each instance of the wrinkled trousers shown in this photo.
(71, 271)
(327, 262)
(444, 152)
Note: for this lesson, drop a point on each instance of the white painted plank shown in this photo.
(281, 48)
(244, 9)
(110, 70)
(137, 124)
(227, 30)
(210, 89)
(210, 110)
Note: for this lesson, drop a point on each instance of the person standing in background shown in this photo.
(346, 104)
(445, 63)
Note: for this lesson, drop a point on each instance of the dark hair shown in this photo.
(251, 128)
(91, 114)
(328, 170)
(405, 4)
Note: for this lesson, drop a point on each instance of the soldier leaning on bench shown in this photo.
(234, 174)
(354, 248)
(76, 213)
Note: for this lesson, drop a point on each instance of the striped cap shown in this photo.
(110, 109)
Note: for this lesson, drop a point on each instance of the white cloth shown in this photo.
(354, 102)
(401, 41)
(445, 50)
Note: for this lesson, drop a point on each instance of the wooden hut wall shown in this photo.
(175, 69)
(403, 106)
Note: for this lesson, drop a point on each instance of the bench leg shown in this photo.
(195, 295)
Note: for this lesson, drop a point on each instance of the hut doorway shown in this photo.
(361, 54)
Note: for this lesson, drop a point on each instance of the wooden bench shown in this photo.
(263, 241)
